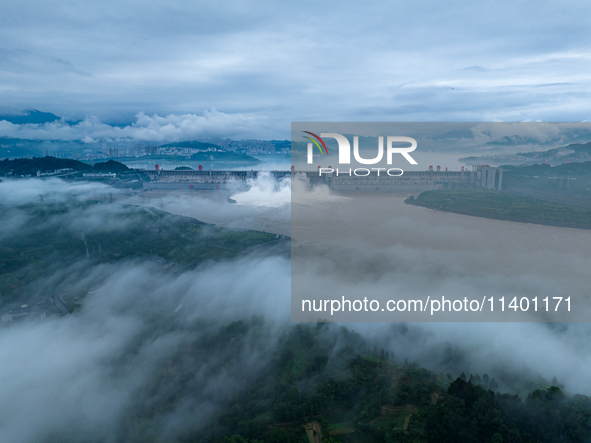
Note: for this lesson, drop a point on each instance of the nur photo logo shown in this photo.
(344, 150)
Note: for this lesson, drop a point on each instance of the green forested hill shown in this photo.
(355, 395)
(107, 233)
(30, 166)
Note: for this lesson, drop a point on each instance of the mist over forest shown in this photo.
(176, 329)
(163, 221)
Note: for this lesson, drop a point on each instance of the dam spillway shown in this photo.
(409, 181)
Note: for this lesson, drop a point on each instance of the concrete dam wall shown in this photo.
(410, 181)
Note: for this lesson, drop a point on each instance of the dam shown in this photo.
(410, 181)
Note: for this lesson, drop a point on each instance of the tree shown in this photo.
(235, 439)
(497, 438)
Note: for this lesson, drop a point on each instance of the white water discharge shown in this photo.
(265, 191)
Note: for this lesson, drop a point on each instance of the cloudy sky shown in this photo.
(169, 70)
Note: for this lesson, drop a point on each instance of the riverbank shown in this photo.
(503, 206)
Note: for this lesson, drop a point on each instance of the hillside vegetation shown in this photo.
(135, 233)
(502, 205)
(349, 394)
(30, 166)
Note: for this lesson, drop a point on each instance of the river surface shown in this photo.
(473, 244)
(449, 243)
(436, 253)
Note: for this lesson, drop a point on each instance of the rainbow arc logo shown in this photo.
(316, 143)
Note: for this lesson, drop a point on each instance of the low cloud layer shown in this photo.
(144, 129)
(145, 331)
(91, 373)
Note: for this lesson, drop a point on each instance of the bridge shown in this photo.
(410, 181)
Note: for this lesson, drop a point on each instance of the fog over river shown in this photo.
(441, 251)
(89, 372)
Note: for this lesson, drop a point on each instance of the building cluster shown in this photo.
(17, 312)
(99, 175)
(56, 172)
(106, 152)
(138, 149)
(175, 150)
(249, 147)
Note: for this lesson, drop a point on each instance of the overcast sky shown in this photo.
(241, 69)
